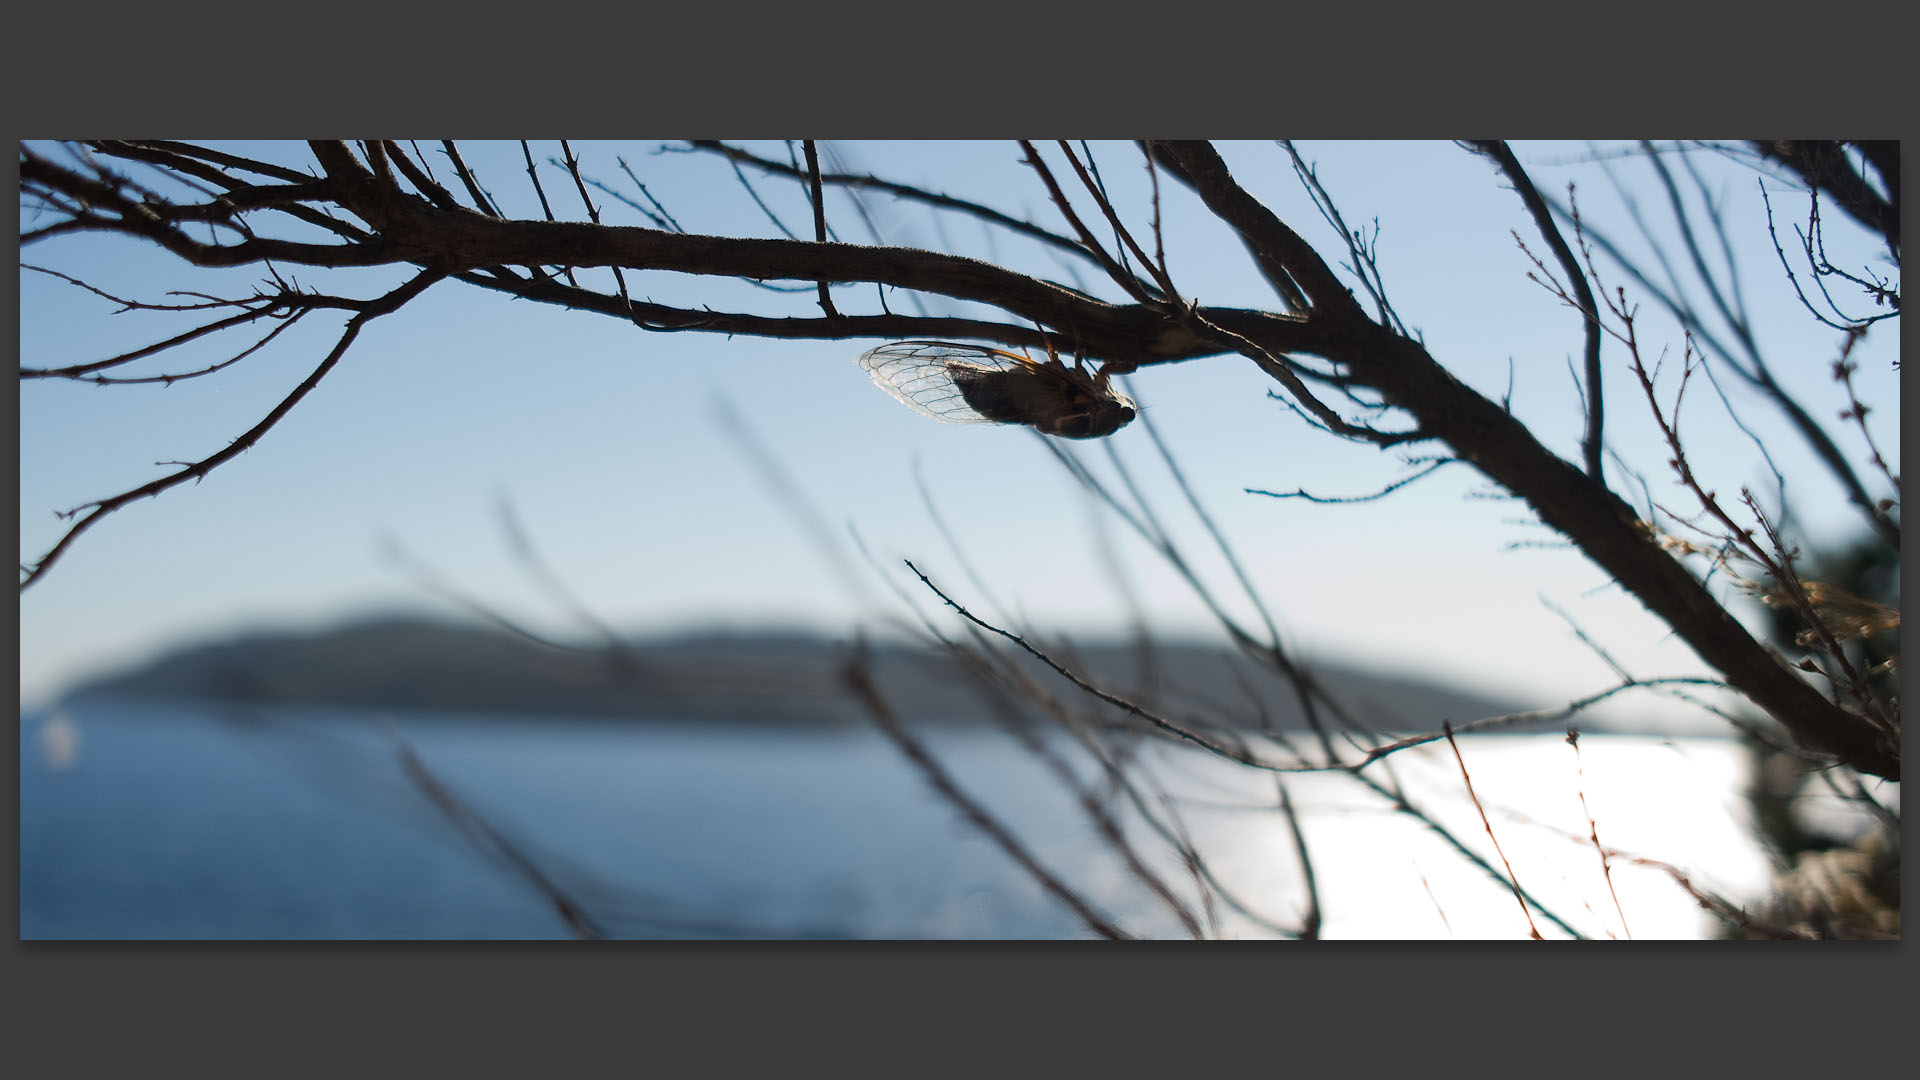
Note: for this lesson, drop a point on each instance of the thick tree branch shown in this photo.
(1271, 240)
(1612, 535)
(1270, 269)
(137, 218)
(1577, 505)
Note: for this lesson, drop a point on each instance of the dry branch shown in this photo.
(435, 240)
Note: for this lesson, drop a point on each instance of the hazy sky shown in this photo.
(609, 444)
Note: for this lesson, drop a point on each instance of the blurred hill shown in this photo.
(422, 665)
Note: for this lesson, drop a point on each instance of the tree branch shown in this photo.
(1824, 166)
(474, 247)
(1509, 165)
(901, 191)
(392, 301)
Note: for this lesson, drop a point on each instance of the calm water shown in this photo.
(145, 821)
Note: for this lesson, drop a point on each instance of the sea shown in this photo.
(143, 820)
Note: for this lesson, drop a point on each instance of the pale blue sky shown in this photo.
(608, 444)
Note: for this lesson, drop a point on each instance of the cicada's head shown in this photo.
(1093, 418)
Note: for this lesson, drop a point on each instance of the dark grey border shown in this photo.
(351, 1009)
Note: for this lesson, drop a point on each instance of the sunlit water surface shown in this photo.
(148, 821)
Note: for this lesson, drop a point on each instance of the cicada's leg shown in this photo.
(1079, 361)
(1053, 354)
(1114, 367)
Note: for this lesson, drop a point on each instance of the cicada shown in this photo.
(972, 384)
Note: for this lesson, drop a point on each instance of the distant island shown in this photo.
(421, 665)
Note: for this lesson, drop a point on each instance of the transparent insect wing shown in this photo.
(920, 375)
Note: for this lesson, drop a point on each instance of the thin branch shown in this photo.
(479, 197)
(1508, 164)
(96, 511)
(1843, 370)
(1001, 684)
(1213, 530)
(761, 203)
(168, 379)
(421, 177)
(533, 174)
(903, 191)
(1364, 266)
(1158, 267)
(1301, 493)
(1146, 524)
(491, 840)
(1758, 375)
(268, 306)
(860, 682)
(1157, 721)
(1159, 240)
(1593, 831)
(1823, 166)
(546, 209)
(819, 221)
(1311, 930)
(1114, 271)
(1878, 291)
(1519, 897)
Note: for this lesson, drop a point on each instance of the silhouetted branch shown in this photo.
(1519, 896)
(903, 191)
(861, 683)
(1751, 366)
(1537, 207)
(1375, 367)
(1813, 249)
(1114, 271)
(1823, 165)
(95, 511)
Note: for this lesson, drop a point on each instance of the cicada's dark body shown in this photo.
(972, 384)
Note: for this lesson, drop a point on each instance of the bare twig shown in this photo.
(1748, 362)
(1158, 267)
(484, 834)
(861, 683)
(1150, 717)
(1593, 831)
(593, 212)
(1508, 164)
(1308, 880)
(1364, 267)
(819, 222)
(1301, 493)
(904, 191)
(96, 511)
(1532, 930)
(1114, 271)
